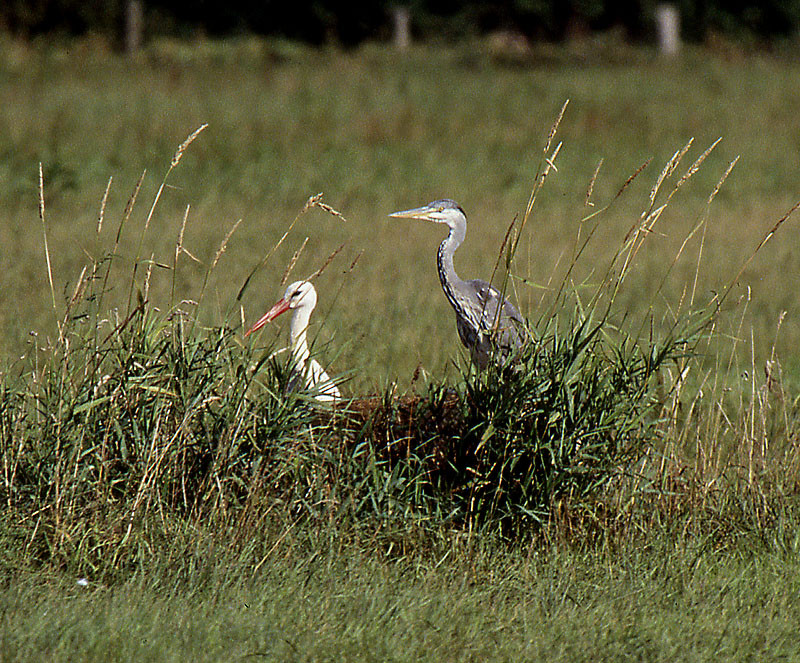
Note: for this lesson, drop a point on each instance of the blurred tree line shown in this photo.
(348, 23)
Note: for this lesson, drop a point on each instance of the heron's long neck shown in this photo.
(447, 272)
(297, 334)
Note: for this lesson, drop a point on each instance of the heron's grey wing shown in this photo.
(478, 344)
(509, 323)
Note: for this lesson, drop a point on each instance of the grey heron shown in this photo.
(301, 297)
(486, 322)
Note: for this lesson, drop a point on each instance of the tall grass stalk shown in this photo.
(44, 237)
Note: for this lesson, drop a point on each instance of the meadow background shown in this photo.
(388, 132)
(377, 131)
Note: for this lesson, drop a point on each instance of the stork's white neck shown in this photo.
(297, 334)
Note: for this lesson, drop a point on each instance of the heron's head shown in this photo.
(298, 294)
(444, 211)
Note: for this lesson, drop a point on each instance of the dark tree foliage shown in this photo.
(306, 20)
(348, 23)
(28, 18)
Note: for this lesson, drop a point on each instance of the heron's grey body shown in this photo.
(487, 324)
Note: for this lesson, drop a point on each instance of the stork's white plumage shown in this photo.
(301, 297)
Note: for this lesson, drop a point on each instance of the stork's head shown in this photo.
(444, 211)
(300, 294)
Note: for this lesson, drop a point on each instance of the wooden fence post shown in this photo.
(668, 23)
(402, 27)
(134, 20)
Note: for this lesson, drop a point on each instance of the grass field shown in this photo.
(692, 556)
(386, 133)
(645, 605)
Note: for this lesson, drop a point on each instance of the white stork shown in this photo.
(301, 297)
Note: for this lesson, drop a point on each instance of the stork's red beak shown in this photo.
(279, 307)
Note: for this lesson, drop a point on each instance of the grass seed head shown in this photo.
(176, 159)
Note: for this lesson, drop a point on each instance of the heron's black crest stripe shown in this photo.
(447, 203)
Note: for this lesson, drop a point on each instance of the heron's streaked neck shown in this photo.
(297, 334)
(447, 272)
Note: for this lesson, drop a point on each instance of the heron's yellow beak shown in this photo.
(422, 213)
